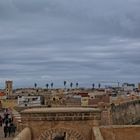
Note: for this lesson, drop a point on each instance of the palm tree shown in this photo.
(51, 85)
(77, 85)
(35, 85)
(93, 85)
(65, 84)
(47, 85)
(99, 85)
(71, 84)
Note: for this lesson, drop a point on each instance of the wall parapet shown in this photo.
(25, 134)
(61, 114)
(97, 133)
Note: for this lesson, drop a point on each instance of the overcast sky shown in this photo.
(85, 41)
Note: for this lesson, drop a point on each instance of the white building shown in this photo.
(128, 87)
(30, 100)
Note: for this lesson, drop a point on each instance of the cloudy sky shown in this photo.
(81, 41)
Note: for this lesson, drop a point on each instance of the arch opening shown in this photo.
(61, 134)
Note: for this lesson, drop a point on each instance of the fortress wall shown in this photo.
(25, 134)
(83, 128)
(97, 134)
(129, 132)
(125, 113)
(44, 124)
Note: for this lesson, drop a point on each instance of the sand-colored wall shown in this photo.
(83, 128)
(25, 134)
(129, 132)
(126, 113)
(58, 120)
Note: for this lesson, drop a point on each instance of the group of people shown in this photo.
(9, 128)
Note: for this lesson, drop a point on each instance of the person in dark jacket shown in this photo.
(9, 129)
(1, 120)
(6, 121)
(13, 129)
(5, 129)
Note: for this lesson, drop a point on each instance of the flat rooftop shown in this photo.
(60, 110)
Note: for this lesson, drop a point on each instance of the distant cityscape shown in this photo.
(71, 94)
(101, 106)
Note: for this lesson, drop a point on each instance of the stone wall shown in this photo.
(81, 128)
(25, 134)
(128, 132)
(77, 124)
(106, 118)
(125, 113)
(97, 134)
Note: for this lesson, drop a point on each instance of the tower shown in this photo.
(8, 87)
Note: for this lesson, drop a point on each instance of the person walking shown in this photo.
(13, 129)
(9, 129)
(6, 121)
(1, 120)
(5, 129)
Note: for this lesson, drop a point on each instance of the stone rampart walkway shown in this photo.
(2, 135)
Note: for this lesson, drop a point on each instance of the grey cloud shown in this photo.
(77, 40)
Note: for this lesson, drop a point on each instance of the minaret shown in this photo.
(8, 87)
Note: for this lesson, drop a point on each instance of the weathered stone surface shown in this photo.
(125, 113)
(97, 133)
(25, 134)
(77, 123)
(128, 132)
(121, 114)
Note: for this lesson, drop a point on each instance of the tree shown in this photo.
(47, 85)
(93, 85)
(51, 85)
(77, 85)
(65, 84)
(99, 85)
(35, 85)
(71, 84)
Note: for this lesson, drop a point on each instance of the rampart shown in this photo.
(125, 113)
(119, 132)
(83, 123)
(25, 134)
(76, 123)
